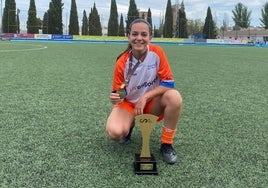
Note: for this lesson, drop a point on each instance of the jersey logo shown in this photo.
(152, 66)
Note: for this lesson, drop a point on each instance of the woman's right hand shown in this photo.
(115, 98)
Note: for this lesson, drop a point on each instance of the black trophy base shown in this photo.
(145, 165)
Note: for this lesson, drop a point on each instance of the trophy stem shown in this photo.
(146, 132)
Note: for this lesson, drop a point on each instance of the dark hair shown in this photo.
(139, 20)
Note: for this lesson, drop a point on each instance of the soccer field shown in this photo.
(54, 104)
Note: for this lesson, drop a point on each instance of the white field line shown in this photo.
(28, 47)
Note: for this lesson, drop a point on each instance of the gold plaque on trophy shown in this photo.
(145, 162)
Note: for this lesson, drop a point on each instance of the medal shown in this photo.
(122, 91)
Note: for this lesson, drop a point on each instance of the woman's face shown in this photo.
(139, 37)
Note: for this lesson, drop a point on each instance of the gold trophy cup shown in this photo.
(145, 162)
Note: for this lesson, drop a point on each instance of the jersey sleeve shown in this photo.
(118, 75)
(164, 72)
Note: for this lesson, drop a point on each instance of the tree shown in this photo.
(241, 16)
(132, 14)
(32, 24)
(73, 23)
(149, 18)
(195, 26)
(168, 25)
(181, 23)
(5, 15)
(18, 21)
(9, 19)
(85, 24)
(45, 23)
(209, 27)
(113, 20)
(39, 23)
(121, 31)
(264, 13)
(157, 32)
(94, 23)
(55, 25)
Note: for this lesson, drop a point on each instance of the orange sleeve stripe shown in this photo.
(118, 77)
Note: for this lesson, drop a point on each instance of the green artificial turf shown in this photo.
(54, 104)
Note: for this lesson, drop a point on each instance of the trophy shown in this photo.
(145, 162)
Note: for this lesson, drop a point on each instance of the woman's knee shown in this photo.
(117, 130)
(115, 133)
(172, 97)
(118, 123)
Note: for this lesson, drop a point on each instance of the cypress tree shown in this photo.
(113, 20)
(18, 21)
(5, 18)
(73, 22)
(181, 24)
(32, 25)
(90, 23)
(55, 25)
(149, 18)
(45, 23)
(168, 25)
(209, 28)
(132, 14)
(85, 24)
(9, 20)
(178, 25)
(13, 17)
(121, 31)
(184, 32)
(94, 22)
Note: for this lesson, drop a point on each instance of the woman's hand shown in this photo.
(115, 98)
(140, 105)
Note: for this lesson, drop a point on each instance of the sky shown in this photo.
(195, 9)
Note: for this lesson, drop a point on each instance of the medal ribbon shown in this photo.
(122, 92)
(132, 70)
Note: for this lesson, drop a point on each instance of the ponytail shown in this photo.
(126, 50)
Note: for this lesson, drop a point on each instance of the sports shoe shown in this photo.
(127, 138)
(168, 153)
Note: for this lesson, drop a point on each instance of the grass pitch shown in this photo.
(54, 104)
